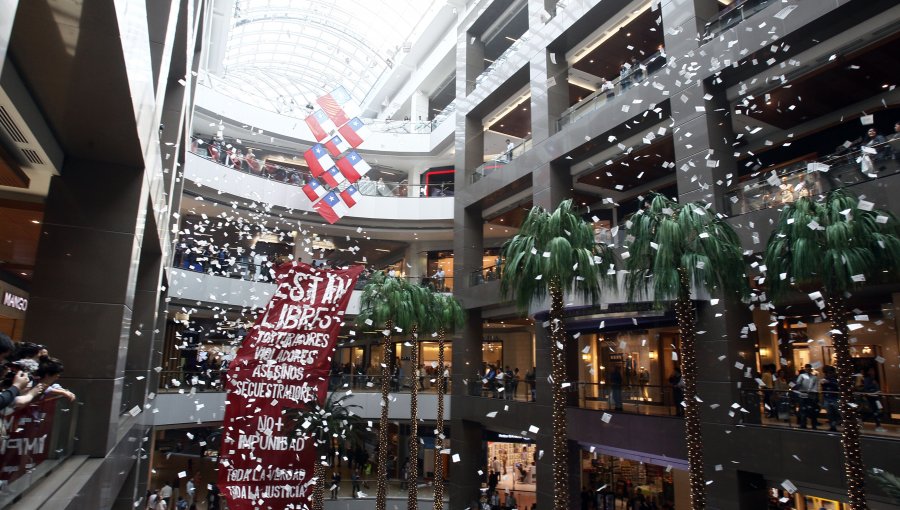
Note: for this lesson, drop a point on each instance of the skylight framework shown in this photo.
(283, 54)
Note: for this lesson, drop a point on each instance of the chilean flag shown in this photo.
(349, 196)
(320, 125)
(314, 190)
(354, 132)
(333, 177)
(317, 159)
(331, 208)
(332, 104)
(353, 167)
(337, 145)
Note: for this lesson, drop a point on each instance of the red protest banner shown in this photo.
(283, 362)
(28, 443)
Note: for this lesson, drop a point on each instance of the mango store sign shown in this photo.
(15, 301)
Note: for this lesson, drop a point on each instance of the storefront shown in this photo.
(780, 499)
(642, 359)
(794, 341)
(626, 479)
(13, 305)
(513, 459)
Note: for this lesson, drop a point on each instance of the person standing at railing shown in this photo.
(530, 380)
(830, 389)
(439, 279)
(636, 71)
(608, 88)
(872, 391)
(677, 383)
(615, 382)
(807, 388)
(625, 76)
(15, 379)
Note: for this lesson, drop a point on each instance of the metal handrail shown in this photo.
(812, 177)
(776, 407)
(629, 397)
(732, 15)
(297, 177)
(498, 161)
(615, 87)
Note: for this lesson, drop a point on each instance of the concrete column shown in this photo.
(417, 259)
(472, 62)
(705, 166)
(418, 107)
(86, 275)
(702, 131)
(551, 184)
(542, 417)
(464, 485)
(549, 92)
(466, 436)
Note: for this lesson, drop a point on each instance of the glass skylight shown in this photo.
(283, 54)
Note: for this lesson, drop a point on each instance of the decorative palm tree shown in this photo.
(835, 246)
(555, 253)
(450, 316)
(670, 247)
(420, 299)
(321, 424)
(386, 303)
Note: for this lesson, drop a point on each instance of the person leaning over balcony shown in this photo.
(14, 379)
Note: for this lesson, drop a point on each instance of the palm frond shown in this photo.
(667, 238)
(557, 246)
(833, 244)
(321, 423)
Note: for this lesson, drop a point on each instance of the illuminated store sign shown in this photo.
(13, 301)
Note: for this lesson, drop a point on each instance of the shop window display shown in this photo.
(616, 482)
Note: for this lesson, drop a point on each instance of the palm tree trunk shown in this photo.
(686, 316)
(318, 499)
(412, 472)
(381, 490)
(439, 428)
(836, 308)
(558, 373)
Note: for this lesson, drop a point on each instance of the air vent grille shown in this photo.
(32, 157)
(11, 127)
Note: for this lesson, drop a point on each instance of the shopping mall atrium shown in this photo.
(649, 250)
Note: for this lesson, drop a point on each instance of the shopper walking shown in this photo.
(807, 388)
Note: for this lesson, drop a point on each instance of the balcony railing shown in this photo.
(299, 177)
(734, 14)
(40, 437)
(877, 411)
(229, 267)
(186, 380)
(813, 177)
(647, 399)
(607, 92)
(500, 160)
(509, 52)
(485, 274)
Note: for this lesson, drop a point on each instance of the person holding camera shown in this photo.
(15, 380)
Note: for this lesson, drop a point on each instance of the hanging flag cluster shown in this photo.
(341, 134)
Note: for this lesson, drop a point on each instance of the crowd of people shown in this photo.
(810, 391)
(292, 170)
(503, 383)
(237, 262)
(29, 374)
(353, 375)
(164, 498)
